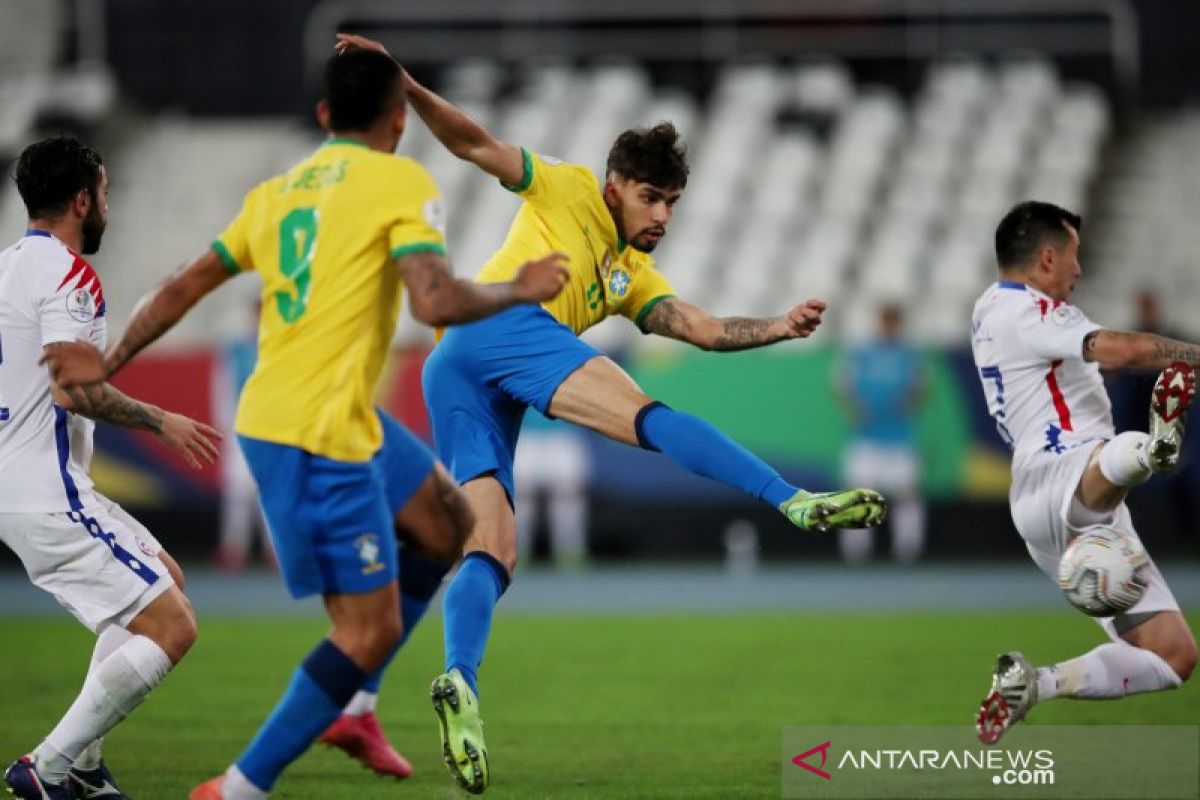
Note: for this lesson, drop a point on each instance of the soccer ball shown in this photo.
(1103, 572)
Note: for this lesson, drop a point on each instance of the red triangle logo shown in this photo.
(823, 749)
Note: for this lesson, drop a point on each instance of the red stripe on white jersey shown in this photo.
(88, 279)
(1060, 403)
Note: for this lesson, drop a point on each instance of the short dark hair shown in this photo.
(360, 86)
(51, 172)
(650, 155)
(1026, 228)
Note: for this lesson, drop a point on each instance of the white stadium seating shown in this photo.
(803, 183)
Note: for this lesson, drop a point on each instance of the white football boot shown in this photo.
(1013, 693)
(1169, 401)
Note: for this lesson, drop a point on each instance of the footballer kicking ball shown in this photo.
(1104, 572)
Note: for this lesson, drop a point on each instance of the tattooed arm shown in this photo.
(195, 441)
(105, 403)
(1125, 349)
(438, 298)
(158, 311)
(675, 319)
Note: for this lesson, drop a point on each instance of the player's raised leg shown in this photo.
(1152, 647)
(603, 397)
(1131, 457)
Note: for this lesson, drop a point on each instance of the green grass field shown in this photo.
(637, 707)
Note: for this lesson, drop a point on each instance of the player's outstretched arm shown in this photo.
(1126, 349)
(101, 401)
(675, 319)
(157, 312)
(438, 298)
(458, 133)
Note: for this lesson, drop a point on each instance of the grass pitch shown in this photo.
(580, 707)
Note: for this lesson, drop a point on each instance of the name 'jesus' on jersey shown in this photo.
(1029, 352)
(48, 293)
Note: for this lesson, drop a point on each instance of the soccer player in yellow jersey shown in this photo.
(481, 377)
(334, 239)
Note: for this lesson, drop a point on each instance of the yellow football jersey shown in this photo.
(323, 237)
(564, 211)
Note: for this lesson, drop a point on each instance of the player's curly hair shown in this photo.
(650, 155)
(51, 172)
(360, 86)
(1026, 228)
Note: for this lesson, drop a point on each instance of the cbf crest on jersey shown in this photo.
(368, 550)
(618, 283)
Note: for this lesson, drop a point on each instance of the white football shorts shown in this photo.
(1043, 486)
(100, 563)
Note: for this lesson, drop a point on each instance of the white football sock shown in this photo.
(238, 787)
(1111, 670)
(1123, 459)
(112, 637)
(362, 703)
(1047, 683)
(112, 690)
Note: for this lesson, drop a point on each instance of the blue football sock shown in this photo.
(698, 446)
(470, 602)
(320, 687)
(419, 582)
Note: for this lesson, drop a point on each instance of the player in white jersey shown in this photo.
(1039, 359)
(97, 561)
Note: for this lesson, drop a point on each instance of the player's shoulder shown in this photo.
(639, 261)
(405, 167)
(266, 189)
(1010, 298)
(42, 262)
(402, 177)
(567, 173)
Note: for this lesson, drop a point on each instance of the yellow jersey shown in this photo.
(564, 211)
(323, 237)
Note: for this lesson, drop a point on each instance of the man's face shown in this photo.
(97, 216)
(1058, 267)
(640, 210)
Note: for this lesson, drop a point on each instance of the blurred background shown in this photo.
(860, 152)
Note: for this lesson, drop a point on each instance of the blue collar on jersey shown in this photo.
(1011, 285)
(38, 232)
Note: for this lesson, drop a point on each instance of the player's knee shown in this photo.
(180, 636)
(508, 557)
(1183, 660)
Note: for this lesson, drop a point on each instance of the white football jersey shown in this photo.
(1029, 353)
(48, 293)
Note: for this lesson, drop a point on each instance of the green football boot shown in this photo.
(463, 749)
(825, 511)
